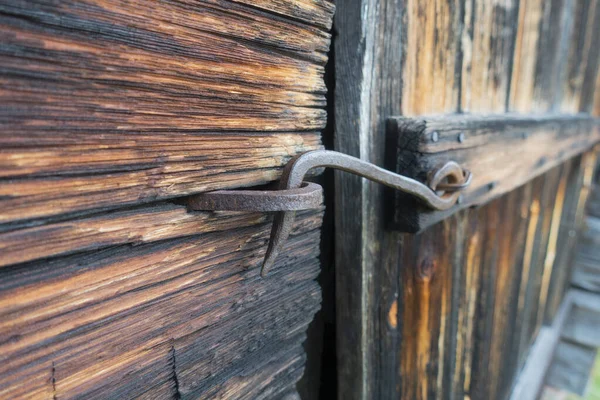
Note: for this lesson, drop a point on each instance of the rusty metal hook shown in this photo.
(294, 194)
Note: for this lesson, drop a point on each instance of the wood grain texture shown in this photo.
(376, 293)
(586, 271)
(111, 111)
(136, 226)
(541, 51)
(96, 179)
(487, 42)
(431, 34)
(107, 104)
(86, 318)
(596, 103)
(451, 312)
(583, 60)
(522, 95)
(571, 227)
(502, 152)
(368, 73)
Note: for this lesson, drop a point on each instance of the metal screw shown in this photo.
(461, 137)
(435, 136)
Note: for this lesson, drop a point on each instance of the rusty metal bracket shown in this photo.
(441, 192)
(308, 196)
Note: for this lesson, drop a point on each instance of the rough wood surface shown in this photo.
(111, 111)
(586, 271)
(108, 104)
(502, 151)
(136, 225)
(189, 314)
(451, 312)
(530, 379)
(525, 147)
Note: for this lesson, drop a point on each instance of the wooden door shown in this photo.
(451, 311)
(111, 113)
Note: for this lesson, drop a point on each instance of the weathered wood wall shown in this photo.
(110, 111)
(586, 271)
(451, 312)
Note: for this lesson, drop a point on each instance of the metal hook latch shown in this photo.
(294, 194)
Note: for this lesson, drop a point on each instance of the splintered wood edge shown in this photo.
(502, 152)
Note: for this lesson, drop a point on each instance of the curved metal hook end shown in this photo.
(295, 194)
(450, 179)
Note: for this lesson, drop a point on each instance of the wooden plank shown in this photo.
(384, 37)
(583, 324)
(504, 342)
(531, 379)
(531, 323)
(426, 299)
(522, 90)
(586, 272)
(84, 318)
(583, 58)
(571, 367)
(431, 34)
(484, 277)
(137, 225)
(450, 312)
(593, 205)
(111, 111)
(596, 101)
(428, 264)
(360, 100)
(556, 23)
(552, 244)
(483, 315)
(487, 49)
(313, 12)
(526, 146)
(566, 238)
(106, 104)
(148, 174)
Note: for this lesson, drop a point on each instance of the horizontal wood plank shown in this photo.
(79, 325)
(110, 173)
(135, 226)
(501, 151)
(111, 109)
(107, 104)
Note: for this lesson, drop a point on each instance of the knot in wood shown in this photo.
(426, 269)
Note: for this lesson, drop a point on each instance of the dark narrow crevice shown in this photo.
(177, 394)
(320, 377)
(328, 356)
(54, 396)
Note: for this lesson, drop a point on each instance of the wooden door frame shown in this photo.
(367, 89)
